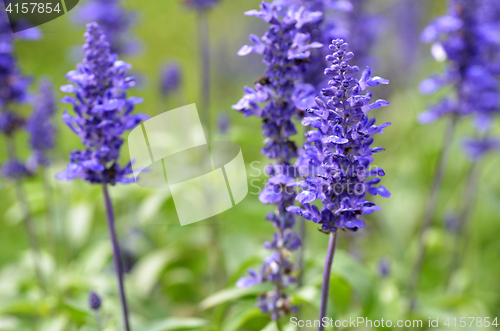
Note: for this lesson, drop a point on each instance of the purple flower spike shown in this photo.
(338, 154)
(103, 113)
(341, 148)
(287, 49)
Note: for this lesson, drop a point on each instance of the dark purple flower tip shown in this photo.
(451, 222)
(223, 123)
(94, 300)
(170, 79)
(384, 267)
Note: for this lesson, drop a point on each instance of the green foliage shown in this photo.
(171, 284)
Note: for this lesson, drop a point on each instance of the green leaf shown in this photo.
(79, 223)
(149, 268)
(355, 274)
(152, 205)
(271, 326)
(231, 294)
(240, 315)
(173, 323)
(20, 307)
(307, 294)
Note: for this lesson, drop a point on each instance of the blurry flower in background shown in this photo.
(114, 20)
(465, 37)
(10, 122)
(170, 78)
(384, 267)
(223, 123)
(40, 125)
(360, 28)
(13, 90)
(14, 170)
(200, 5)
(477, 148)
(450, 221)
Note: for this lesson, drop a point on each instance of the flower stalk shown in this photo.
(332, 245)
(110, 216)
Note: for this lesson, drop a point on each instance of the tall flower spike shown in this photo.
(102, 112)
(286, 51)
(339, 151)
(114, 21)
(339, 148)
(40, 125)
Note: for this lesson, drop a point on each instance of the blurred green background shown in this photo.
(171, 285)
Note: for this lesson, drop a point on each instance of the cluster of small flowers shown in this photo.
(115, 22)
(468, 38)
(286, 50)
(339, 145)
(103, 112)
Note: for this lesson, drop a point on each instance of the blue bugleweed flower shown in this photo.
(467, 38)
(286, 51)
(102, 112)
(114, 21)
(339, 148)
(170, 79)
(40, 125)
